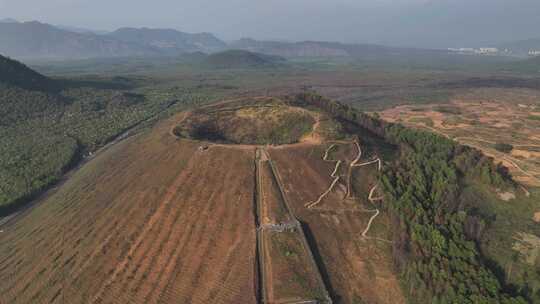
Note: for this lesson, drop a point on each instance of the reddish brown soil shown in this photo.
(355, 268)
(291, 274)
(155, 219)
(152, 220)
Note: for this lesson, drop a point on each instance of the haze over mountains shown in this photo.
(44, 41)
(36, 40)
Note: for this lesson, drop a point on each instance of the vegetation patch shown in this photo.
(234, 59)
(528, 246)
(448, 110)
(534, 117)
(423, 120)
(503, 147)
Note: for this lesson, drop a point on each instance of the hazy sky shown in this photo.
(421, 23)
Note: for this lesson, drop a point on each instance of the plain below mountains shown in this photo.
(242, 59)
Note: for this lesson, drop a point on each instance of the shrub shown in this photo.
(503, 147)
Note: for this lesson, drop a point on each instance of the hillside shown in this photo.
(17, 74)
(146, 254)
(316, 218)
(242, 59)
(169, 40)
(207, 209)
(48, 127)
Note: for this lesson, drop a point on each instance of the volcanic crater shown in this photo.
(256, 121)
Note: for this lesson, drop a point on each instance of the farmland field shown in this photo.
(483, 118)
(133, 222)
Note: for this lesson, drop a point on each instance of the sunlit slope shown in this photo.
(151, 220)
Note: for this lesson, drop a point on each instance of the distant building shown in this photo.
(534, 53)
(488, 51)
(479, 51)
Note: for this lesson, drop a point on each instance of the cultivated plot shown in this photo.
(140, 224)
(504, 124)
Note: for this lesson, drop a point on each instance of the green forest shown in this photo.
(48, 126)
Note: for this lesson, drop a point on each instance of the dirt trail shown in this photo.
(377, 212)
(332, 175)
(370, 197)
(355, 267)
(336, 178)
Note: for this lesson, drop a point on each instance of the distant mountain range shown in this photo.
(170, 41)
(35, 40)
(327, 49)
(38, 40)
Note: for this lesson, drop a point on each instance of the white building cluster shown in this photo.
(478, 51)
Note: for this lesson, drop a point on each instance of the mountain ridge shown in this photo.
(36, 40)
(169, 39)
(40, 40)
